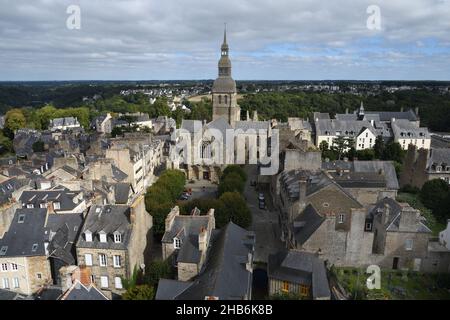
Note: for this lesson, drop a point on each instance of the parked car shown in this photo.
(262, 205)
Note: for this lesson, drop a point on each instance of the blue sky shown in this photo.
(269, 39)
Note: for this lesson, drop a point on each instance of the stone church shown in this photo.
(207, 155)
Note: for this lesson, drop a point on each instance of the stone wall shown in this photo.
(186, 271)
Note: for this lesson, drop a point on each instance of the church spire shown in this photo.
(225, 33)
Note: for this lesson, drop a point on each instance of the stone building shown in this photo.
(317, 215)
(112, 243)
(227, 273)
(421, 165)
(186, 240)
(366, 181)
(400, 235)
(24, 267)
(298, 273)
(207, 148)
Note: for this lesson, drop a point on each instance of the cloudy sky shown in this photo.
(269, 39)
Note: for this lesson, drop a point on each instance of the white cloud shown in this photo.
(180, 39)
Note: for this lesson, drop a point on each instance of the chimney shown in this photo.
(409, 218)
(212, 218)
(401, 109)
(255, 115)
(346, 110)
(203, 239)
(302, 192)
(386, 213)
(171, 217)
(248, 115)
(249, 264)
(416, 111)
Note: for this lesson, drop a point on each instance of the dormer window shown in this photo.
(438, 168)
(56, 205)
(102, 236)
(34, 247)
(21, 218)
(341, 218)
(176, 243)
(30, 206)
(117, 237)
(88, 236)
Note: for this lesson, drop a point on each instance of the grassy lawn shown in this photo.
(395, 285)
(414, 201)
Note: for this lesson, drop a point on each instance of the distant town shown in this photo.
(101, 200)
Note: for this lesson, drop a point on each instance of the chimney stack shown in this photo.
(302, 191)
(386, 213)
(203, 239)
(171, 217)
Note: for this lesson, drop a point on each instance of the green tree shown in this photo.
(231, 183)
(379, 147)
(234, 168)
(14, 120)
(141, 292)
(393, 151)
(156, 270)
(38, 146)
(235, 209)
(435, 195)
(340, 144)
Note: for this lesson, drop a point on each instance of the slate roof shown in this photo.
(385, 168)
(404, 129)
(255, 125)
(67, 121)
(8, 187)
(169, 289)
(388, 115)
(61, 231)
(439, 157)
(224, 274)
(187, 228)
(11, 295)
(360, 180)
(395, 211)
(306, 223)
(121, 192)
(67, 199)
(79, 291)
(346, 128)
(109, 219)
(25, 239)
(301, 268)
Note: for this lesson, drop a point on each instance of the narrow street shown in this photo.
(264, 222)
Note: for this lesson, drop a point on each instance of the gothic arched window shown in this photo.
(205, 150)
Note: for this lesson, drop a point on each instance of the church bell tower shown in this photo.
(224, 94)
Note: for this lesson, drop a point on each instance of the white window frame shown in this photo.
(118, 283)
(88, 236)
(117, 237)
(5, 283)
(4, 267)
(117, 261)
(103, 237)
(341, 218)
(16, 283)
(102, 260)
(14, 267)
(176, 243)
(56, 205)
(104, 282)
(30, 206)
(409, 244)
(88, 259)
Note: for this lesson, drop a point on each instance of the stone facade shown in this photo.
(32, 273)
